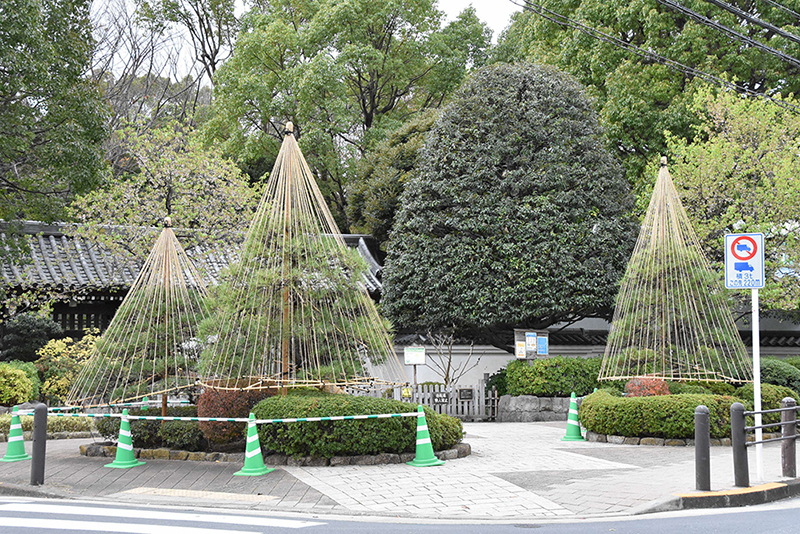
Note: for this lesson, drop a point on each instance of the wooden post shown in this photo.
(163, 405)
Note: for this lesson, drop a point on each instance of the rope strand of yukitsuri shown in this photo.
(238, 419)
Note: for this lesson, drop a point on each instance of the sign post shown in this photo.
(414, 356)
(744, 268)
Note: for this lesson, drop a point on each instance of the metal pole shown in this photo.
(757, 387)
(788, 430)
(702, 449)
(39, 444)
(741, 474)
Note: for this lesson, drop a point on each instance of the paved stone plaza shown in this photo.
(516, 471)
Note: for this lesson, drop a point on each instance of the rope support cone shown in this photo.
(253, 461)
(125, 456)
(425, 456)
(573, 426)
(16, 444)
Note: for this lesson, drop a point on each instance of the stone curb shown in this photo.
(28, 435)
(110, 451)
(661, 442)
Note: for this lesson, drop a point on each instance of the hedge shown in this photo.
(149, 434)
(54, 424)
(553, 377)
(780, 373)
(348, 438)
(771, 397)
(664, 416)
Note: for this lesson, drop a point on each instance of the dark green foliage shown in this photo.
(664, 416)
(144, 434)
(553, 377)
(780, 373)
(25, 334)
(182, 435)
(517, 216)
(227, 403)
(795, 361)
(771, 397)
(498, 380)
(679, 388)
(51, 114)
(348, 438)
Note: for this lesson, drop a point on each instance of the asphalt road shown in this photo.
(28, 516)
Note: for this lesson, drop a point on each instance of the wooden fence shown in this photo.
(470, 403)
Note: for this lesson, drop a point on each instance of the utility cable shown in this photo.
(758, 22)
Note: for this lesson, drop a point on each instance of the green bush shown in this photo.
(679, 388)
(15, 386)
(54, 424)
(348, 438)
(793, 361)
(664, 416)
(60, 362)
(553, 377)
(780, 373)
(771, 397)
(498, 380)
(182, 435)
(25, 334)
(33, 375)
(144, 434)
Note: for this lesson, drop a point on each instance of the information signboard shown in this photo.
(744, 261)
(414, 355)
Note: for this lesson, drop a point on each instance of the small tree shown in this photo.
(518, 215)
(25, 334)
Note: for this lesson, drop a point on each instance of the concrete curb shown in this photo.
(14, 490)
(734, 498)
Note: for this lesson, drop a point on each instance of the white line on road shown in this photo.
(124, 528)
(120, 513)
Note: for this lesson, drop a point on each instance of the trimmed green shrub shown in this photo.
(33, 375)
(663, 416)
(771, 397)
(646, 387)
(679, 388)
(348, 438)
(182, 435)
(144, 434)
(60, 362)
(793, 361)
(54, 424)
(15, 386)
(227, 403)
(498, 380)
(780, 373)
(553, 377)
(25, 334)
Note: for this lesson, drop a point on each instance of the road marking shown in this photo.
(126, 528)
(194, 494)
(120, 513)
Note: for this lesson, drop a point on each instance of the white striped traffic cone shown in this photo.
(424, 454)
(16, 443)
(573, 426)
(253, 461)
(125, 455)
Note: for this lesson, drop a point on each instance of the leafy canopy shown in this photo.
(517, 217)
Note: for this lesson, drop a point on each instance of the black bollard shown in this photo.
(702, 449)
(39, 444)
(741, 474)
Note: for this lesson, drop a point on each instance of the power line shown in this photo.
(732, 33)
(686, 70)
(766, 25)
(783, 8)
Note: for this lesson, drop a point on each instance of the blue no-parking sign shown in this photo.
(744, 261)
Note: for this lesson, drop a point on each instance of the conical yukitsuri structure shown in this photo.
(294, 311)
(151, 347)
(672, 319)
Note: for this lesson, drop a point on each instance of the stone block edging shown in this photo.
(461, 450)
(661, 442)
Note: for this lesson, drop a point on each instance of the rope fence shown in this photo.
(236, 419)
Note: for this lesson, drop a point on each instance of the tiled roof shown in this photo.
(61, 260)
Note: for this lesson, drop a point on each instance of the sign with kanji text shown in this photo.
(520, 350)
(414, 355)
(744, 261)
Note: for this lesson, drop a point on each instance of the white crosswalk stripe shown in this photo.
(26, 515)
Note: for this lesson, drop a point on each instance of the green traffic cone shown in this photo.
(125, 456)
(573, 426)
(425, 456)
(253, 461)
(16, 444)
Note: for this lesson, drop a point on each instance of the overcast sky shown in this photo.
(496, 13)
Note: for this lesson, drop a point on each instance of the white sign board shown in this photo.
(414, 355)
(530, 341)
(520, 350)
(744, 261)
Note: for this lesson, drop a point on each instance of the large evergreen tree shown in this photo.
(518, 215)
